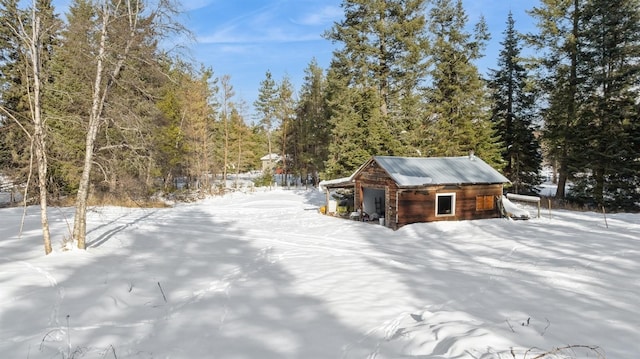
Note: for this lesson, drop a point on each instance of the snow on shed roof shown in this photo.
(344, 182)
(419, 171)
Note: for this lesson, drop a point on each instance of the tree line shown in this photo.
(92, 105)
(403, 82)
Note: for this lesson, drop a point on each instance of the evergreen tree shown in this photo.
(122, 146)
(121, 58)
(385, 47)
(357, 128)
(285, 111)
(15, 118)
(611, 52)
(30, 42)
(513, 114)
(265, 105)
(558, 42)
(374, 79)
(245, 156)
(310, 131)
(69, 101)
(459, 118)
(170, 141)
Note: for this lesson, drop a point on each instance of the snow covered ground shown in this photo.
(264, 275)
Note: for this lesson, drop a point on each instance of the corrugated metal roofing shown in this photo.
(344, 182)
(418, 171)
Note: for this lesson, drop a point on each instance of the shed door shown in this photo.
(373, 201)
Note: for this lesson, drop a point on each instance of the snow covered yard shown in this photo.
(264, 275)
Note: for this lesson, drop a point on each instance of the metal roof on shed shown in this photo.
(419, 171)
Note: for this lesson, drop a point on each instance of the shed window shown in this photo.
(484, 203)
(445, 204)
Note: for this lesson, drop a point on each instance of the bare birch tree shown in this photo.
(35, 45)
(114, 47)
(31, 39)
(226, 95)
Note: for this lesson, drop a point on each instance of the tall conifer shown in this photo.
(611, 52)
(374, 79)
(457, 102)
(310, 131)
(265, 106)
(513, 114)
(557, 42)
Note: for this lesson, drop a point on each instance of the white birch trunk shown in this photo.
(38, 126)
(100, 91)
(80, 221)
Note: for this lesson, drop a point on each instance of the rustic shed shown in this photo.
(404, 190)
(330, 188)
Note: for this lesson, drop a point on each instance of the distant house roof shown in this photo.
(420, 171)
(271, 157)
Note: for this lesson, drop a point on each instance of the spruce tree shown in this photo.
(458, 121)
(513, 111)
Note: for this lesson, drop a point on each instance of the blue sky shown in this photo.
(246, 38)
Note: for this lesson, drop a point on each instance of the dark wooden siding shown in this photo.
(414, 205)
(419, 205)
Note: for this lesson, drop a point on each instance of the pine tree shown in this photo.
(558, 42)
(357, 127)
(385, 46)
(458, 121)
(285, 111)
(15, 123)
(310, 131)
(243, 152)
(374, 80)
(265, 106)
(171, 145)
(69, 101)
(611, 52)
(513, 114)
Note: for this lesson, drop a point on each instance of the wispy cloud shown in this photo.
(190, 5)
(324, 16)
(273, 35)
(269, 24)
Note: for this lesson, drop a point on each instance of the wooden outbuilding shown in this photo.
(401, 190)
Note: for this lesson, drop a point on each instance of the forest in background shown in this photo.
(92, 105)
